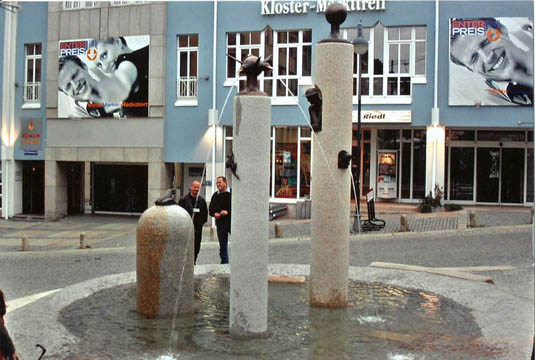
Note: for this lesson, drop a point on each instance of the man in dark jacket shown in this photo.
(7, 349)
(220, 205)
(196, 207)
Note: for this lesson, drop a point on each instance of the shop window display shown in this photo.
(286, 163)
(290, 161)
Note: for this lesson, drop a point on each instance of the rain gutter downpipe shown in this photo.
(435, 113)
(213, 113)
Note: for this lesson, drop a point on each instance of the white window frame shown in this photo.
(414, 78)
(301, 80)
(32, 102)
(397, 73)
(127, 2)
(239, 47)
(191, 81)
(300, 139)
(288, 99)
(77, 5)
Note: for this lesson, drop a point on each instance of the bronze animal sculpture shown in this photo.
(251, 67)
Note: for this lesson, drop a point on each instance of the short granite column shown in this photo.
(331, 186)
(165, 262)
(250, 215)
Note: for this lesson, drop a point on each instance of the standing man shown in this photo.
(7, 349)
(220, 209)
(196, 207)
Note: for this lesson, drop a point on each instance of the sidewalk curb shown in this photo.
(352, 238)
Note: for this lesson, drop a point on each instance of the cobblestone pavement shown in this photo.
(422, 224)
(120, 231)
(100, 231)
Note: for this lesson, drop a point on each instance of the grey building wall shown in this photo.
(127, 140)
(2, 30)
(104, 22)
(31, 29)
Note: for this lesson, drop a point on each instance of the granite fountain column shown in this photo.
(250, 205)
(333, 75)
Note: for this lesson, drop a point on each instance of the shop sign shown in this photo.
(31, 134)
(383, 116)
(276, 7)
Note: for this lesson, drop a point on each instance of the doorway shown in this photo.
(33, 187)
(120, 188)
(500, 175)
(75, 175)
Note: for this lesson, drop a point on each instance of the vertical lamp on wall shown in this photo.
(360, 46)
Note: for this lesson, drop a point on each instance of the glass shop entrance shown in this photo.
(120, 188)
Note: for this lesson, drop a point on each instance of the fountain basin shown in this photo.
(467, 320)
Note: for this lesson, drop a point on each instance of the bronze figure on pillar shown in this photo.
(253, 66)
(335, 14)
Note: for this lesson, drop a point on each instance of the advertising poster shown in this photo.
(491, 61)
(104, 77)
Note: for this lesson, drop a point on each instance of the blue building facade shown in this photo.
(436, 116)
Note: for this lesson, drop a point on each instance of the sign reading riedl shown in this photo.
(278, 7)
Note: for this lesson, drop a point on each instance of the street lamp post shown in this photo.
(360, 46)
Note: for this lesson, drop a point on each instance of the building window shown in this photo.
(32, 77)
(75, 5)
(290, 161)
(292, 60)
(187, 69)
(396, 59)
(291, 54)
(239, 46)
(123, 3)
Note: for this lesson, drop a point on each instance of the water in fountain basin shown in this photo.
(407, 324)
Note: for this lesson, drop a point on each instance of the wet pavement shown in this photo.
(399, 315)
(503, 321)
(120, 231)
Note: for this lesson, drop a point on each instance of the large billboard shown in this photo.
(104, 77)
(491, 61)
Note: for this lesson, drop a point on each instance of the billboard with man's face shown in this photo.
(104, 77)
(491, 61)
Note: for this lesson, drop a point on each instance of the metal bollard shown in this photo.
(403, 224)
(473, 222)
(82, 241)
(25, 243)
(213, 233)
(278, 231)
(532, 213)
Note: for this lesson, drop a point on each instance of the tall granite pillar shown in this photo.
(333, 74)
(250, 215)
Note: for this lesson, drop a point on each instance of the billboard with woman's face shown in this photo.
(104, 77)
(491, 61)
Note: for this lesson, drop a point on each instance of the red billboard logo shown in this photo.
(92, 54)
(493, 34)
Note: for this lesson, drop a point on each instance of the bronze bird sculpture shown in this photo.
(251, 67)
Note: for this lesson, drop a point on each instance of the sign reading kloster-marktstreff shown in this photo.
(278, 7)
